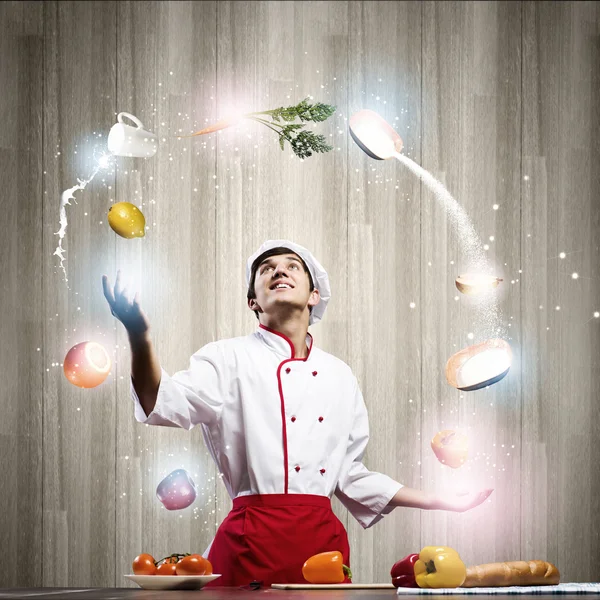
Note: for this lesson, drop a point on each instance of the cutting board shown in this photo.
(561, 588)
(332, 586)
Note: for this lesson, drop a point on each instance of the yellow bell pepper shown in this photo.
(439, 567)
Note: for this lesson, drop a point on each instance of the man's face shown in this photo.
(281, 283)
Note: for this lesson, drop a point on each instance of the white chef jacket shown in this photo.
(275, 424)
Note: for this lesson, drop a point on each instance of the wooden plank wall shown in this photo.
(21, 299)
(498, 100)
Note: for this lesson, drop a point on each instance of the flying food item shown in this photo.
(302, 142)
(480, 365)
(127, 220)
(177, 490)
(222, 124)
(473, 284)
(87, 364)
(125, 140)
(374, 135)
(450, 447)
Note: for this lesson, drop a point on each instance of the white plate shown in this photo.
(172, 582)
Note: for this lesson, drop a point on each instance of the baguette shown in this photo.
(519, 572)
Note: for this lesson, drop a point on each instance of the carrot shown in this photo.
(222, 124)
(303, 143)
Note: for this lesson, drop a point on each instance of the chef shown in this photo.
(284, 421)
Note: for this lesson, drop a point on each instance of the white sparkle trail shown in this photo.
(470, 242)
(103, 162)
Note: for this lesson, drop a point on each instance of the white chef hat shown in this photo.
(318, 273)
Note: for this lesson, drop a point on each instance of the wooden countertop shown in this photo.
(222, 593)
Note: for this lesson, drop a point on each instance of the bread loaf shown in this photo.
(519, 572)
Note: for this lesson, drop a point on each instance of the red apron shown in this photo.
(269, 537)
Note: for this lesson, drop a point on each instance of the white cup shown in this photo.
(125, 140)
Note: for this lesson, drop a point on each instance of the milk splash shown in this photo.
(104, 162)
(486, 305)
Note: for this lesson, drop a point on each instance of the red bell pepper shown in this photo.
(403, 572)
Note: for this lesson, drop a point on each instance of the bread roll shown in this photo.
(519, 572)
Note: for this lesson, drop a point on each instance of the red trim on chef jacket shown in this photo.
(269, 537)
(287, 339)
(282, 399)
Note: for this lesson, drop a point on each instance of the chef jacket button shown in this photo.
(293, 419)
(322, 471)
(320, 419)
(314, 373)
(297, 468)
(288, 370)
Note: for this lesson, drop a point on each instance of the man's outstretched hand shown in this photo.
(130, 313)
(463, 501)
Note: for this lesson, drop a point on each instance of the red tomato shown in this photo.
(167, 569)
(209, 569)
(144, 565)
(194, 565)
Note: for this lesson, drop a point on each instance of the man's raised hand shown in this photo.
(130, 313)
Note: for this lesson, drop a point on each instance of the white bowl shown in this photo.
(172, 582)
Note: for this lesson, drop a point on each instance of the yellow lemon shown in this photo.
(127, 220)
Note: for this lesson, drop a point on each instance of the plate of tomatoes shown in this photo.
(174, 572)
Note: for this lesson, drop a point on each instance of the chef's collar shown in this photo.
(280, 343)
